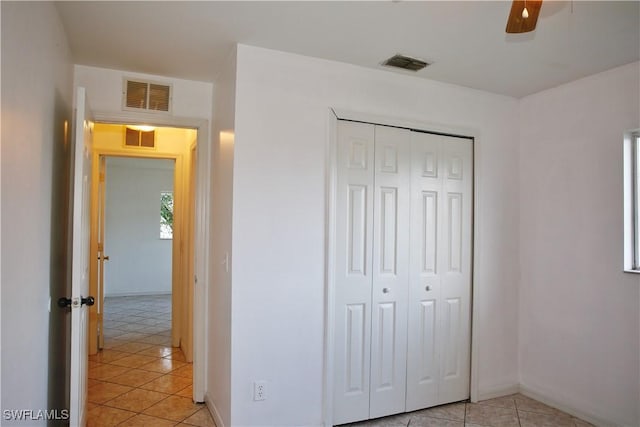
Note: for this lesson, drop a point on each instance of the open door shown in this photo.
(80, 260)
(189, 266)
(97, 256)
(101, 256)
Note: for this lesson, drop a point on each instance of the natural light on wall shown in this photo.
(632, 201)
(227, 137)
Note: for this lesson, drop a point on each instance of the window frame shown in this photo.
(631, 169)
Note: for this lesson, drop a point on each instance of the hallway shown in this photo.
(138, 379)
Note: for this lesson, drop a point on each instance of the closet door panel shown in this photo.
(455, 318)
(390, 271)
(440, 271)
(353, 271)
(423, 357)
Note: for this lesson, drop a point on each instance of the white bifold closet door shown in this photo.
(402, 281)
(439, 315)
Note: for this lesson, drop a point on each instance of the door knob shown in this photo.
(427, 288)
(386, 290)
(75, 302)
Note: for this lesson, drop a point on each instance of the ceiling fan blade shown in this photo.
(516, 23)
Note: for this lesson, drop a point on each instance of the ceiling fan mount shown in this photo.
(523, 16)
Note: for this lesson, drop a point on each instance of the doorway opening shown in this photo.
(143, 242)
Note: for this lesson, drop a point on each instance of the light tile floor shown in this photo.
(138, 379)
(509, 411)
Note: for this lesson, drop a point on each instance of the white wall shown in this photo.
(579, 313)
(219, 298)
(139, 261)
(36, 103)
(279, 203)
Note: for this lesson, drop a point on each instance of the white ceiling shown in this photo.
(465, 41)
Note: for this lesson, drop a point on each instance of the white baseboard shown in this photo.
(498, 391)
(217, 419)
(545, 398)
(137, 294)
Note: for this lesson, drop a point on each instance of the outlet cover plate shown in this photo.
(259, 390)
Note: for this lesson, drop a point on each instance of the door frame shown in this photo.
(178, 268)
(331, 168)
(201, 226)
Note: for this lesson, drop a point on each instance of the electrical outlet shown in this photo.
(259, 390)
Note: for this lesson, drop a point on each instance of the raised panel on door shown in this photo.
(455, 316)
(353, 271)
(390, 271)
(354, 379)
(423, 371)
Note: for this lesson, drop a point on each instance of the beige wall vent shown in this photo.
(145, 95)
(139, 138)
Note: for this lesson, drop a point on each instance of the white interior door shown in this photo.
(402, 271)
(390, 271)
(353, 271)
(102, 180)
(454, 321)
(438, 362)
(423, 354)
(80, 259)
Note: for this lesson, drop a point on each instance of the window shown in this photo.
(632, 201)
(166, 215)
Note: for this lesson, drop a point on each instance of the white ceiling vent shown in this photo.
(405, 62)
(146, 95)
